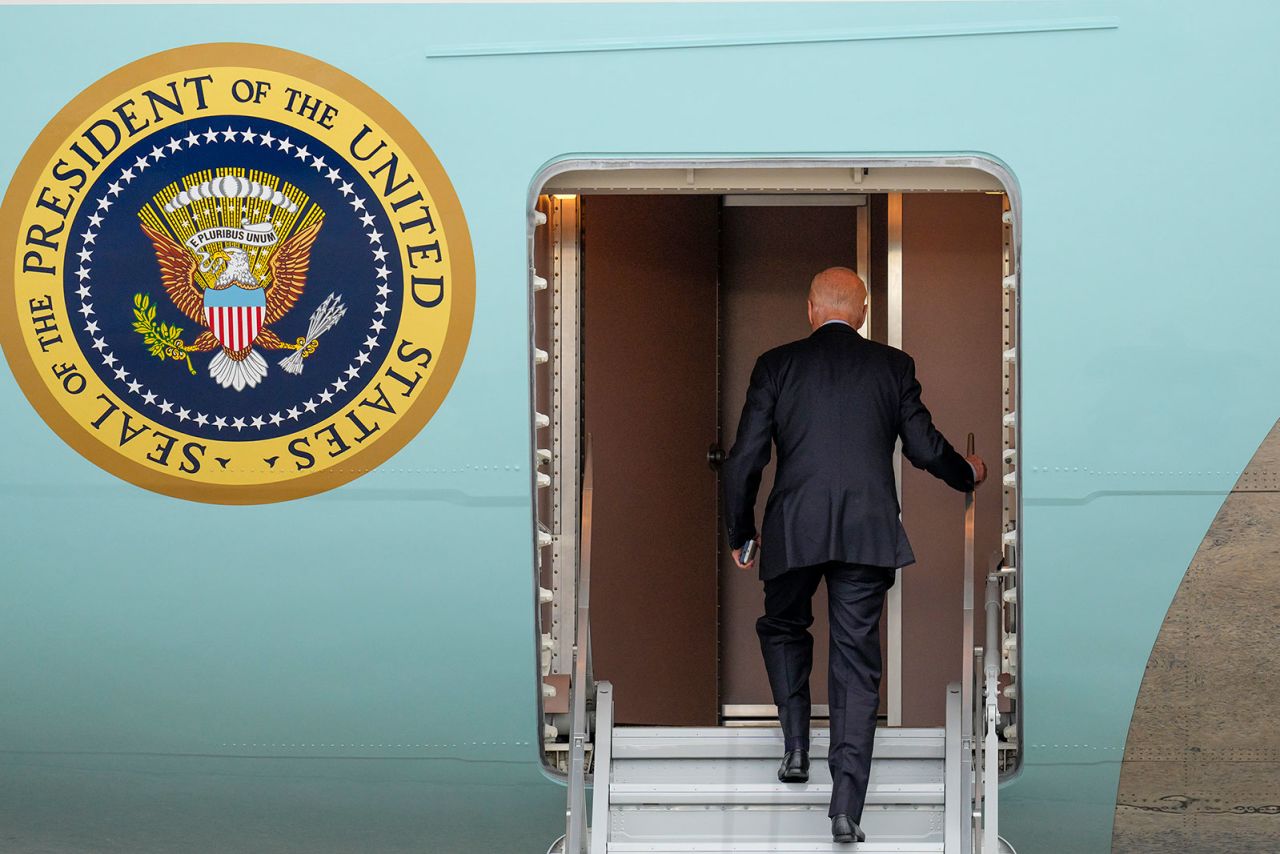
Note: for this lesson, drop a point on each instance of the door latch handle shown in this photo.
(715, 456)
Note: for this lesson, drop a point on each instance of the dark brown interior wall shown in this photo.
(649, 278)
(951, 250)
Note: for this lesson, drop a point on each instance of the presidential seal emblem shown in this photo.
(239, 275)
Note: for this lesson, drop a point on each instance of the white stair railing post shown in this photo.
(602, 760)
(954, 805)
(991, 720)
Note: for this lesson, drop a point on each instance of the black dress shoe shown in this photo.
(845, 829)
(795, 766)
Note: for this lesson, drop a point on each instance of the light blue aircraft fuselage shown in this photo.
(362, 676)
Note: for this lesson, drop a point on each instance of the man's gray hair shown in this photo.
(838, 290)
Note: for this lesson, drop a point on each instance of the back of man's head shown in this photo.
(837, 293)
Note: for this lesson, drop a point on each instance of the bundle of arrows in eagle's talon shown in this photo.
(322, 320)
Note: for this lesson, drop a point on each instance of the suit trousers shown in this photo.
(855, 599)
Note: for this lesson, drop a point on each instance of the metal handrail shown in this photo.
(967, 770)
(979, 709)
(583, 628)
(580, 679)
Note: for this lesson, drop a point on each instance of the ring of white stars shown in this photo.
(221, 422)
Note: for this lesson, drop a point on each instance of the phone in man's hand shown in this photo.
(748, 552)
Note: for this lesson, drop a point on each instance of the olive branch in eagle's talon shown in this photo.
(163, 341)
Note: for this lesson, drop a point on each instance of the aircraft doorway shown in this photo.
(677, 293)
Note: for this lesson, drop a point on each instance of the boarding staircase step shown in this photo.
(770, 794)
(897, 825)
(635, 742)
(714, 790)
(867, 847)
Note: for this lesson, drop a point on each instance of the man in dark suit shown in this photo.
(834, 403)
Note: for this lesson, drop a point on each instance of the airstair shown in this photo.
(715, 790)
(688, 790)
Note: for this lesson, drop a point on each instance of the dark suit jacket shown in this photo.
(834, 403)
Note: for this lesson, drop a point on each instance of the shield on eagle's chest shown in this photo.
(235, 315)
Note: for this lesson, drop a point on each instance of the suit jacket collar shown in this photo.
(835, 328)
